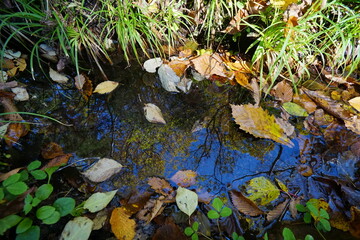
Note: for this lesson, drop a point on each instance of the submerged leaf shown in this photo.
(104, 169)
(259, 123)
(260, 188)
(277, 211)
(184, 178)
(245, 205)
(106, 87)
(153, 113)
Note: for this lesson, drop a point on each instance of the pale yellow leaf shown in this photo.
(282, 185)
(355, 103)
(106, 87)
(153, 113)
(57, 77)
(209, 64)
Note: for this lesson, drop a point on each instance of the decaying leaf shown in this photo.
(58, 161)
(355, 221)
(168, 78)
(79, 81)
(282, 4)
(100, 219)
(161, 186)
(186, 200)
(152, 208)
(153, 113)
(51, 150)
(106, 87)
(243, 80)
(245, 205)
(179, 66)
(277, 211)
(169, 229)
(3, 129)
(262, 189)
(234, 25)
(282, 185)
(305, 170)
(121, 225)
(21, 94)
(14, 132)
(57, 77)
(77, 229)
(184, 178)
(152, 64)
(286, 126)
(99, 201)
(259, 123)
(294, 109)
(102, 170)
(304, 101)
(355, 103)
(4, 176)
(353, 124)
(339, 220)
(209, 64)
(283, 92)
(292, 207)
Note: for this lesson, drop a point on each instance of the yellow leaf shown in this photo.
(209, 64)
(259, 123)
(282, 185)
(106, 87)
(282, 4)
(261, 188)
(355, 103)
(121, 225)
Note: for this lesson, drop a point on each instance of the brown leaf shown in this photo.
(255, 6)
(161, 186)
(209, 64)
(283, 92)
(4, 176)
(152, 208)
(355, 221)
(286, 126)
(292, 207)
(179, 66)
(184, 178)
(243, 80)
(245, 205)
(121, 225)
(51, 150)
(339, 220)
(234, 25)
(136, 202)
(9, 106)
(353, 124)
(256, 92)
(58, 161)
(15, 131)
(167, 230)
(79, 81)
(305, 170)
(87, 89)
(277, 211)
(304, 101)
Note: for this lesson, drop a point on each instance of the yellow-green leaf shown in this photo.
(106, 87)
(282, 185)
(259, 123)
(263, 190)
(294, 109)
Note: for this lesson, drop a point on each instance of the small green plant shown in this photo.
(192, 231)
(219, 210)
(236, 236)
(319, 214)
(16, 185)
(289, 235)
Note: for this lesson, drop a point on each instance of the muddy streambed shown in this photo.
(200, 135)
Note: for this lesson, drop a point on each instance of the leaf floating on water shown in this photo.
(21, 94)
(104, 169)
(98, 201)
(106, 87)
(57, 77)
(209, 64)
(77, 229)
(277, 211)
(186, 200)
(353, 124)
(121, 225)
(152, 64)
(152, 208)
(355, 103)
(245, 205)
(259, 123)
(294, 109)
(161, 186)
(168, 78)
(153, 113)
(262, 189)
(184, 178)
(79, 81)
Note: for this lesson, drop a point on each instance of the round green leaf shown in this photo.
(17, 188)
(217, 204)
(288, 234)
(54, 218)
(24, 225)
(195, 226)
(24, 176)
(212, 214)
(33, 233)
(44, 191)
(34, 165)
(301, 208)
(326, 224)
(38, 174)
(307, 217)
(8, 222)
(35, 202)
(309, 237)
(234, 236)
(12, 179)
(64, 205)
(225, 212)
(195, 237)
(188, 231)
(295, 109)
(45, 212)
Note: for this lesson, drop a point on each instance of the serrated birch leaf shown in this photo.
(245, 205)
(259, 123)
(57, 77)
(77, 229)
(261, 189)
(295, 109)
(153, 113)
(277, 211)
(186, 200)
(104, 169)
(98, 201)
(106, 87)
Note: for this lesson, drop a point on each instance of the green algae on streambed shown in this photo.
(200, 135)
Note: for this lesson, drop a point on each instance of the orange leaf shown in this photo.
(209, 64)
(51, 150)
(245, 205)
(161, 186)
(179, 66)
(14, 132)
(184, 178)
(58, 161)
(121, 225)
(243, 80)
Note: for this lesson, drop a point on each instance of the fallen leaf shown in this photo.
(294, 109)
(353, 124)
(283, 92)
(152, 64)
(9, 106)
(152, 209)
(184, 84)
(256, 92)
(10, 54)
(99, 201)
(292, 207)
(4, 176)
(15, 131)
(51, 150)
(57, 77)
(262, 189)
(277, 211)
(245, 205)
(256, 6)
(179, 66)
(3, 77)
(106, 87)
(167, 230)
(184, 178)
(286, 126)
(186, 200)
(21, 94)
(161, 186)
(234, 24)
(282, 4)
(102, 170)
(77, 229)
(305, 170)
(282, 185)
(355, 103)
(209, 64)
(121, 225)
(304, 101)
(339, 221)
(3, 130)
(79, 81)
(100, 219)
(355, 221)
(21, 64)
(87, 89)
(136, 202)
(168, 78)
(243, 80)
(58, 161)
(153, 113)
(259, 123)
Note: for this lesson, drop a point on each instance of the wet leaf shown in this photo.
(58, 161)
(179, 66)
(304, 101)
(283, 92)
(305, 170)
(245, 205)
(21, 94)
(4, 176)
(106, 87)
(153, 113)
(99, 201)
(87, 89)
(77, 229)
(260, 188)
(152, 64)
(355, 103)
(14, 132)
(209, 64)
(259, 123)
(168, 78)
(152, 208)
(121, 225)
(57, 77)
(51, 150)
(186, 200)
(282, 4)
(277, 211)
(9, 222)
(167, 230)
(292, 207)
(243, 80)
(102, 170)
(355, 221)
(294, 109)
(282, 185)
(100, 219)
(79, 81)
(184, 178)
(160, 186)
